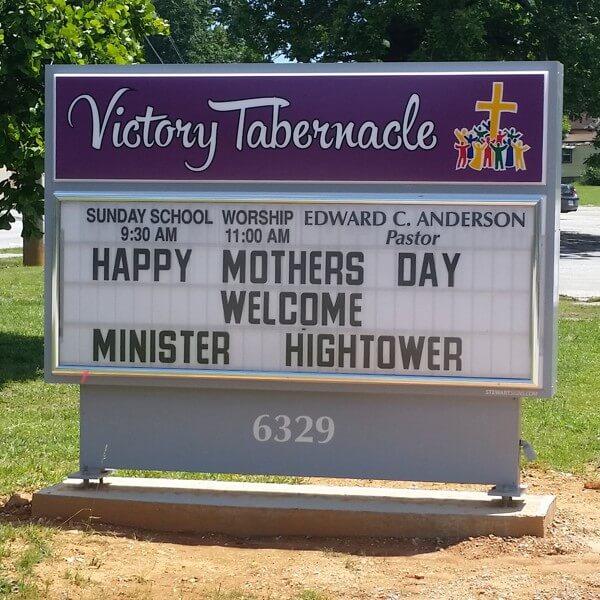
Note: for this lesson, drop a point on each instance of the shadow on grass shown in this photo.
(578, 245)
(21, 357)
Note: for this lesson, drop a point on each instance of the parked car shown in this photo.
(569, 199)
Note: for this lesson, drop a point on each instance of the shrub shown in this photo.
(591, 176)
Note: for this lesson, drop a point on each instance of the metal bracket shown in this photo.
(87, 473)
(527, 450)
(507, 492)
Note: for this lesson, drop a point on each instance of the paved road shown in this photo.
(579, 251)
(12, 238)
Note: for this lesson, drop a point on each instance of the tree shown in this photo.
(35, 33)
(431, 30)
(198, 35)
(566, 126)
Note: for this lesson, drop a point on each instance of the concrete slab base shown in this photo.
(254, 509)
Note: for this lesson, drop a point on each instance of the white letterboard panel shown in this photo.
(399, 291)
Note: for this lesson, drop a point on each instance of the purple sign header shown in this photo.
(336, 127)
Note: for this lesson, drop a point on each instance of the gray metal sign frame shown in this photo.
(116, 433)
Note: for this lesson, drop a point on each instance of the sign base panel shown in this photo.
(266, 432)
(251, 509)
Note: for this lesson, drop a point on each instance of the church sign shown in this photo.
(279, 229)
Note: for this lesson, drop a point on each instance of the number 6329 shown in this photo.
(300, 429)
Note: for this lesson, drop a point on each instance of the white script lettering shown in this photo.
(117, 126)
(279, 133)
(146, 130)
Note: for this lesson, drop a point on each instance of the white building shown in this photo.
(577, 146)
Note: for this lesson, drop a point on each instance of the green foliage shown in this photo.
(566, 126)
(431, 30)
(34, 33)
(389, 30)
(593, 161)
(198, 35)
(591, 175)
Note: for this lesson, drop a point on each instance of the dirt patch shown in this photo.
(102, 562)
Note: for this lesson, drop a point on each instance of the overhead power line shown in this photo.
(176, 50)
(154, 50)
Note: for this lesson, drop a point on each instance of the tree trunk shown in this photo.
(33, 252)
(33, 247)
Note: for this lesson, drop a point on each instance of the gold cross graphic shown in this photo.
(496, 107)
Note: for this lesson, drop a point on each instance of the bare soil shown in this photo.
(103, 562)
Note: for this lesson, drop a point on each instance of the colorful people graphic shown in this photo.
(470, 138)
(487, 153)
(462, 146)
(477, 160)
(498, 149)
(512, 136)
(488, 145)
(520, 149)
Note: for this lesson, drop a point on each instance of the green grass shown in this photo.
(589, 195)
(11, 250)
(565, 430)
(312, 595)
(22, 547)
(39, 422)
(219, 594)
